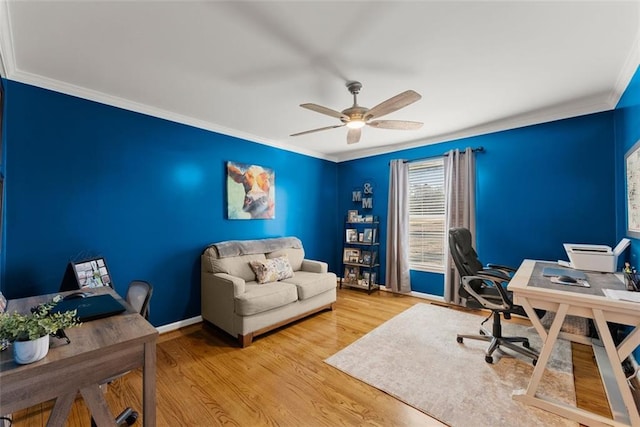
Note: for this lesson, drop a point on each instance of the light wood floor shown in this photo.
(205, 379)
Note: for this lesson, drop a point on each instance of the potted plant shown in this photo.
(29, 333)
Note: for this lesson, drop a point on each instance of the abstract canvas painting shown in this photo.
(251, 191)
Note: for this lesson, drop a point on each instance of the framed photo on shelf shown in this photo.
(351, 235)
(352, 216)
(368, 278)
(366, 257)
(368, 235)
(351, 255)
(368, 218)
(351, 274)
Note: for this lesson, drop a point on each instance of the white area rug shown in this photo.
(415, 358)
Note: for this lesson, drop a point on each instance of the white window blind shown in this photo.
(426, 215)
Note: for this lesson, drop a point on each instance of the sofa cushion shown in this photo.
(259, 298)
(295, 256)
(272, 270)
(312, 284)
(236, 266)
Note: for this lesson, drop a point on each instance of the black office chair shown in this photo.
(483, 287)
(138, 296)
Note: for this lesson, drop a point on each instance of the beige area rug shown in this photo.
(415, 358)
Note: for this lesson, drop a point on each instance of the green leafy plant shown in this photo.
(41, 322)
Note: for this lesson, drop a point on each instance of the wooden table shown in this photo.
(532, 290)
(99, 350)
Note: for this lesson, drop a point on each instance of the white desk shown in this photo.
(532, 290)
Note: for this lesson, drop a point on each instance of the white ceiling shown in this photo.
(242, 68)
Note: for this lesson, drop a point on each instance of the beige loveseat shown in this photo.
(233, 299)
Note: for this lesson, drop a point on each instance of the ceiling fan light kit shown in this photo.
(355, 124)
(356, 117)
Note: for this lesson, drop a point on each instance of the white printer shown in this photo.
(595, 257)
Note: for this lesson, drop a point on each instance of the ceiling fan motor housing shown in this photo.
(354, 113)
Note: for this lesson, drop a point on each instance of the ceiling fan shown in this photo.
(355, 117)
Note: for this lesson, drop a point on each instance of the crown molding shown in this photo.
(7, 63)
(628, 70)
(3, 72)
(103, 98)
(589, 106)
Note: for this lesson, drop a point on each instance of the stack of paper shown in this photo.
(622, 295)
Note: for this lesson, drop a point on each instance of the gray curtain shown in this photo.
(460, 209)
(397, 259)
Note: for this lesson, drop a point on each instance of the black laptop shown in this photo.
(91, 307)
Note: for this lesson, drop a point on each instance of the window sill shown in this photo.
(437, 270)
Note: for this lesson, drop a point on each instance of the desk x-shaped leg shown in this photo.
(615, 356)
(94, 399)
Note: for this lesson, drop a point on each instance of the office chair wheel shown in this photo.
(131, 419)
(459, 339)
(534, 361)
(488, 359)
(482, 332)
(526, 344)
(128, 417)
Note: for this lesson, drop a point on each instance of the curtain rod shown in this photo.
(475, 150)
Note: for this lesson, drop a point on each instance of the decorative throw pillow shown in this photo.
(272, 270)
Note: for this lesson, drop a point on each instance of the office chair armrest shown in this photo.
(494, 275)
(494, 282)
(504, 268)
(497, 278)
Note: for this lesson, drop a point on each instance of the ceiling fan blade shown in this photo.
(324, 110)
(395, 124)
(392, 104)
(317, 130)
(353, 135)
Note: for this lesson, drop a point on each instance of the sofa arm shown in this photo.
(232, 283)
(218, 292)
(314, 266)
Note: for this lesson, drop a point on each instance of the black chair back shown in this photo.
(462, 252)
(465, 258)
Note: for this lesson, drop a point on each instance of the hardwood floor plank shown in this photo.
(205, 379)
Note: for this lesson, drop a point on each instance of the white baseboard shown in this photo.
(417, 294)
(187, 322)
(177, 325)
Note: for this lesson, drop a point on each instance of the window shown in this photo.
(426, 215)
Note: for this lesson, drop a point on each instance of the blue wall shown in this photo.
(85, 179)
(627, 133)
(538, 187)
